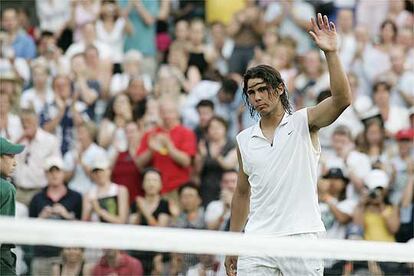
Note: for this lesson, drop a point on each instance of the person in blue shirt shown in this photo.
(143, 16)
(20, 44)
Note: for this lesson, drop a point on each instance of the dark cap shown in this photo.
(372, 115)
(335, 173)
(7, 147)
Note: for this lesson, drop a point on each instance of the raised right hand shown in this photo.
(231, 265)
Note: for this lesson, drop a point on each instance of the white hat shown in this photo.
(376, 179)
(53, 161)
(100, 164)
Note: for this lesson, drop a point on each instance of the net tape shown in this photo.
(101, 235)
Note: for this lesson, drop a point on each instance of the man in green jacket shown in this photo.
(7, 200)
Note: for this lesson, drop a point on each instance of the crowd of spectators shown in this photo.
(129, 111)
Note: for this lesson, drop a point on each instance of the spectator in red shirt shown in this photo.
(169, 148)
(124, 170)
(115, 262)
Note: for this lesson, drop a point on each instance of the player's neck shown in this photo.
(272, 120)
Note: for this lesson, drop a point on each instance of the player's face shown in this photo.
(263, 98)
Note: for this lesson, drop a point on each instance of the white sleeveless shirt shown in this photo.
(282, 178)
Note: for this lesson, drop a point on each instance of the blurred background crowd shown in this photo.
(129, 111)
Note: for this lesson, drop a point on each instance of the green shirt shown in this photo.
(7, 198)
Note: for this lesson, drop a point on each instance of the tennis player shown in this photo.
(278, 159)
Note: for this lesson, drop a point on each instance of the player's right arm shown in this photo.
(239, 212)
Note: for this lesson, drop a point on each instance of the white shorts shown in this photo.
(286, 266)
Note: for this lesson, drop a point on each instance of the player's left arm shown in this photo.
(327, 111)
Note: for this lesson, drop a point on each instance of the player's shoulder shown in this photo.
(303, 112)
(246, 133)
(299, 117)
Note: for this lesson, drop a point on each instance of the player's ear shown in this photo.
(280, 90)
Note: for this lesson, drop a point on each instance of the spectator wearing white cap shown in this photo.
(378, 218)
(55, 201)
(78, 161)
(106, 201)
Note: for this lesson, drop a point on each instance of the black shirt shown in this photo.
(72, 201)
(163, 207)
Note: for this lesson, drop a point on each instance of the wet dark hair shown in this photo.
(272, 78)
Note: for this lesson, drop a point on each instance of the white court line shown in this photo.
(103, 235)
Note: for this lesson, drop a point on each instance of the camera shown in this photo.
(374, 194)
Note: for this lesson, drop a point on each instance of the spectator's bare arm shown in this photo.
(392, 219)
(122, 216)
(229, 161)
(258, 25)
(165, 7)
(145, 15)
(236, 23)
(340, 216)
